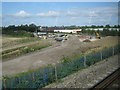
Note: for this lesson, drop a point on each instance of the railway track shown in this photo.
(108, 81)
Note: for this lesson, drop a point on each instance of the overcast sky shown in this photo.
(59, 13)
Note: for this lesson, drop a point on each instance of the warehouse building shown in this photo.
(101, 29)
(69, 31)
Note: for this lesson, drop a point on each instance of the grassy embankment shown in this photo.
(14, 47)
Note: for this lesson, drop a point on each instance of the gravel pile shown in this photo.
(88, 77)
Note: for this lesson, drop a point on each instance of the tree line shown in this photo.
(104, 32)
(27, 30)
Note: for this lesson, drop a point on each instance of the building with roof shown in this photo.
(69, 31)
(101, 29)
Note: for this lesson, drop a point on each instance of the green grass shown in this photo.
(12, 53)
(9, 43)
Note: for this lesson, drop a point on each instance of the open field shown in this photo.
(12, 42)
(54, 54)
(13, 47)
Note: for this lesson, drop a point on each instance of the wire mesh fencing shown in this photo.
(44, 76)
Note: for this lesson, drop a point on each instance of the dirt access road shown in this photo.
(52, 54)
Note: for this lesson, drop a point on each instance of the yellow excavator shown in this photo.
(97, 35)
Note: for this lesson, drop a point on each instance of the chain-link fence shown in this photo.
(43, 76)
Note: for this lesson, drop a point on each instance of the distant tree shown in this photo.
(107, 26)
(115, 26)
(83, 30)
(93, 26)
(101, 26)
(118, 26)
(32, 28)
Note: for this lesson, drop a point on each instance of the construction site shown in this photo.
(60, 45)
(63, 48)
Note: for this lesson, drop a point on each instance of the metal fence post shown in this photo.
(113, 51)
(18, 80)
(101, 55)
(84, 60)
(56, 73)
(33, 77)
(5, 84)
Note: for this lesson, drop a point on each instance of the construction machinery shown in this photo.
(97, 35)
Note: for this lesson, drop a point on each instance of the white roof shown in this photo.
(69, 30)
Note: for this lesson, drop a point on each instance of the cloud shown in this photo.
(71, 13)
(95, 11)
(75, 15)
(49, 14)
(22, 14)
(94, 15)
(1, 16)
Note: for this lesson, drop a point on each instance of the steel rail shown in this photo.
(107, 80)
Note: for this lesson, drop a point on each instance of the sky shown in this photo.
(59, 13)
